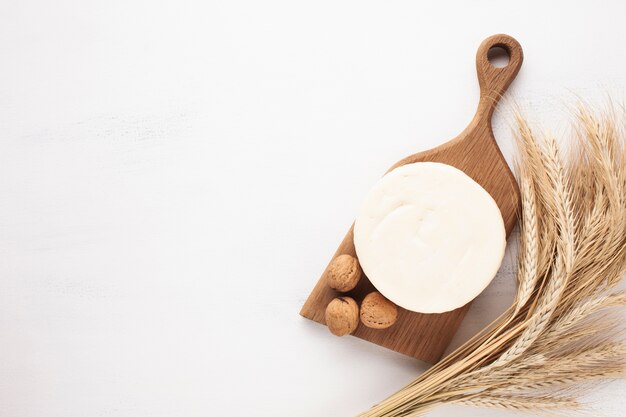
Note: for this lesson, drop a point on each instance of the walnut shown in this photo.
(377, 312)
(343, 273)
(342, 316)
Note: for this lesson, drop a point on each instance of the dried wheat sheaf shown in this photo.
(565, 328)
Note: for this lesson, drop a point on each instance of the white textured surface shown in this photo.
(175, 176)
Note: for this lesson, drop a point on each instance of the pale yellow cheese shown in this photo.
(429, 237)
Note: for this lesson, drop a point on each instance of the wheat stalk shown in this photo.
(564, 328)
(533, 404)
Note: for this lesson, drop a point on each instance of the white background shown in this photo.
(175, 176)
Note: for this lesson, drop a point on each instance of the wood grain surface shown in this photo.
(474, 151)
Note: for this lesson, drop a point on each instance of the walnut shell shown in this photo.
(342, 316)
(377, 312)
(343, 273)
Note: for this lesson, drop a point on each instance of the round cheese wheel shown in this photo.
(429, 238)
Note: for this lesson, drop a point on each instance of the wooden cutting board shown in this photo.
(474, 151)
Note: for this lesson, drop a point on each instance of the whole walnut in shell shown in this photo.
(343, 273)
(377, 312)
(342, 316)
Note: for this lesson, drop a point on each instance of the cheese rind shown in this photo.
(429, 238)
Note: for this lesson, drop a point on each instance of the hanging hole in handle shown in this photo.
(498, 56)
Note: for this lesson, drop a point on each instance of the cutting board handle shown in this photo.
(494, 81)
